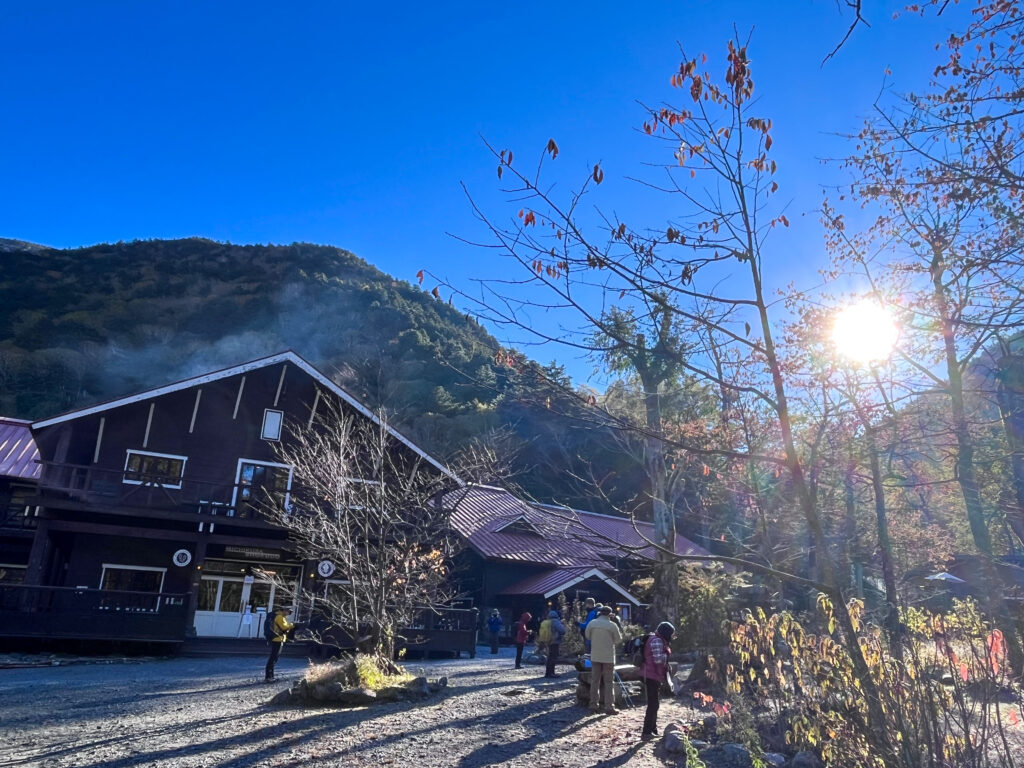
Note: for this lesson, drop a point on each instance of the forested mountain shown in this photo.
(86, 325)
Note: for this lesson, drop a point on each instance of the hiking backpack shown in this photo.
(635, 648)
(269, 632)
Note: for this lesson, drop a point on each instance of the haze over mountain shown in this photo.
(84, 325)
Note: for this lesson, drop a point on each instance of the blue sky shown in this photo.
(354, 124)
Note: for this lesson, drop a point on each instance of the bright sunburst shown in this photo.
(864, 332)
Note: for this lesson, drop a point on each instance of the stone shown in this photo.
(672, 727)
(806, 759)
(356, 697)
(674, 742)
(775, 758)
(418, 688)
(391, 693)
(727, 756)
(283, 698)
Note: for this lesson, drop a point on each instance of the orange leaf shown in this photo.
(1013, 717)
(419, 276)
(435, 293)
(963, 671)
(552, 148)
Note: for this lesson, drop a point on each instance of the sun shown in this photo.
(864, 332)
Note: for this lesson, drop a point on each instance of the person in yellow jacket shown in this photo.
(282, 631)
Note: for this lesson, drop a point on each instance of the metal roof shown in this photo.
(19, 457)
(564, 537)
(550, 583)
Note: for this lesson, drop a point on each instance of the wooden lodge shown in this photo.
(138, 520)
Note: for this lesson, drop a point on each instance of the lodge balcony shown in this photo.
(94, 489)
(57, 613)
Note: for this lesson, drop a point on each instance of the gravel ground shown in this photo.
(184, 713)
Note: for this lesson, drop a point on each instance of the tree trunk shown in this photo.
(1011, 409)
(993, 586)
(665, 605)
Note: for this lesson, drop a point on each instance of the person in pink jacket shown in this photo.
(522, 630)
(656, 652)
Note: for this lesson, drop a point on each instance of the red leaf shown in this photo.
(963, 671)
(1013, 717)
(552, 148)
(435, 293)
(419, 276)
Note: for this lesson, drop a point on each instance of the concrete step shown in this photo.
(230, 646)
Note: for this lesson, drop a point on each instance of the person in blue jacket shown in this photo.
(494, 625)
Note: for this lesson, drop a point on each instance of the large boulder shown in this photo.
(355, 697)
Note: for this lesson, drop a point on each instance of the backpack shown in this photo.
(269, 630)
(634, 650)
(544, 636)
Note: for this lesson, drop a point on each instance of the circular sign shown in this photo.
(182, 557)
(325, 569)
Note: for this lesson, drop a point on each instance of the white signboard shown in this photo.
(325, 569)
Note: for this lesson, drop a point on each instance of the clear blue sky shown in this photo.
(353, 124)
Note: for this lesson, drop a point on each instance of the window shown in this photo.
(132, 578)
(272, 424)
(260, 484)
(142, 467)
(12, 574)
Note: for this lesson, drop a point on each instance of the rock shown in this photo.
(727, 756)
(355, 697)
(392, 693)
(775, 758)
(806, 759)
(442, 682)
(283, 698)
(418, 687)
(699, 745)
(674, 742)
(672, 727)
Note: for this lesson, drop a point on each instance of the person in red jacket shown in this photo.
(522, 635)
(656, 653)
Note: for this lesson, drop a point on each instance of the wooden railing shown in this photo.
(443, 630)
(91, 614)
(106, 488)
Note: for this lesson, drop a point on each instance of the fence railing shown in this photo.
(445, 630)
(91, 614)
(105, 487)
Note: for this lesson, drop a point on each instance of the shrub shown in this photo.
(939, 695)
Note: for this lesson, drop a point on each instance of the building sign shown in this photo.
(325, 569)
(252, 553)
(181, 558)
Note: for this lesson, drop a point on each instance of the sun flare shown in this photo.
(864, 332)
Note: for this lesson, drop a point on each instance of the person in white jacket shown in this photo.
(604, 637)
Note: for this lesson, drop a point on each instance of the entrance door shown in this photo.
(233, 604)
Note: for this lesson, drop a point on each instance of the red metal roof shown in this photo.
(565, 537)
(19, 456)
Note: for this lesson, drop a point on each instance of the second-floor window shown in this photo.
(261, 484)
(143, 467)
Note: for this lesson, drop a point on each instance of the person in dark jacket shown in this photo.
(494, 625)
(522, 630)
(656, 653)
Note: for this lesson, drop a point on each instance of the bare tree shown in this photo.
(365, 502)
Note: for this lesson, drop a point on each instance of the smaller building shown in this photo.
(521, 556)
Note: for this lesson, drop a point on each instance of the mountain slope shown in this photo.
(84, 325)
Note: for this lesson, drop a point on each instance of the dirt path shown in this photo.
(185, 713)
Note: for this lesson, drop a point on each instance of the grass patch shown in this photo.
(359, 672)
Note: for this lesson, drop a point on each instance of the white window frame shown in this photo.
(257, 462)
(124, 567)
(280, 424)
(128, 456)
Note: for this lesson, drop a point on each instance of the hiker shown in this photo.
(656, 653)
(494, 625)
(522, 631)
(590, 607)
(281, 628)
(555, 633)
(604, 637)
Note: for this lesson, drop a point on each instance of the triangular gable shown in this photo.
(519, 525)
(283, 357)
(551, 583)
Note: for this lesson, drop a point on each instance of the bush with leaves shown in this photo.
(948, 702)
